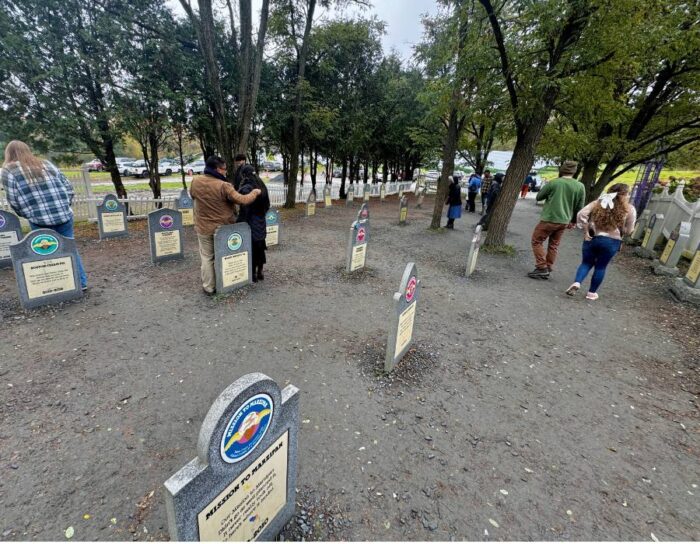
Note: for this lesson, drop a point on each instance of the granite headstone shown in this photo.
(367, 192)
(242, 484)
(473, 253)
(350, 195)
(272, 219)
(165, 235)
(233, 262)
(687, 288)
(10, 233)
(651, 236)
(357, 241)
(402, 317)
(382, 192)
(185, 206)
(111, 218)
(421, 196)
(667, 263)
(403, 210)
(311, 204)
(327, 200)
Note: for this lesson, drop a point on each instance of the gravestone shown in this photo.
(400, 190)
(46, 268)
(10, 233)
(367, 192)
(111, 218)
(357, 242)
(641, 225)
(185, 206)
(473, 253)
(233, 264)
(421, 196)
(403, 210)
(382, 192)
(242, 484)
(688, 288)
(272, 218)
(311, 204)
(402, 318)
(667, 263)
(327, 200)
(165, 235)
(651, 235)
(350, 195)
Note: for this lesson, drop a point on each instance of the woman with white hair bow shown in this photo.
(604, 222)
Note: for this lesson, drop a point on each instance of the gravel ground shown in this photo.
(520, 413)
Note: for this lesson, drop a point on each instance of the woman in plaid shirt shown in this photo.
(39, 192)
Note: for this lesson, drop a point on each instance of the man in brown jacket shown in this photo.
(214, 198)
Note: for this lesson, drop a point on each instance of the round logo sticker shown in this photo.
(44, 244)
(3, 221)
(167, 221)
(246, 428)
(111, 205)
(185, 202)
(361, 234)
(234, 241)
(411, 289)
(271, 217)
(364, 213)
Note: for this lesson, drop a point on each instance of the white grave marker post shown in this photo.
(402, 318)
(667, 263)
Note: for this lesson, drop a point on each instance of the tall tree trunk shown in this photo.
(351, 168)
(296, 122)
(285, 168)
(313, 166)
(385, 170)
(589, 175)
(449, 149)
(154, 175)
(302, 166)
(343, 175)
(366, 172)
(178, 130)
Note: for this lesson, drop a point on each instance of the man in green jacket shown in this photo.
(564, 197)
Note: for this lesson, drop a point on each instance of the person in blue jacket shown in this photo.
(472, 191)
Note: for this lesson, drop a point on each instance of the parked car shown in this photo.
(195, 167)
(169, 166)
(272, 166)
(124, 165)
(337, 172)
(95, 165)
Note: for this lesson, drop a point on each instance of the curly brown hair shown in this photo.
(607, 219)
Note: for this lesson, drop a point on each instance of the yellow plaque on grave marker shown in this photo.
(667, 251)
(234, 269)
(273, 235)
(48, 277)
(404, 213)
(113, 222)
(167, 243)
(6, 240)
(311, 209)
(328, 200)
(187, 216)
(647, 235)
(359, 253)
(694, 270)
(405, 330)
(251, 501)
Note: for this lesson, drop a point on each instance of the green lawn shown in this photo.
(629, 177)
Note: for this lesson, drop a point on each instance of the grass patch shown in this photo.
(507, 250)
(629, 177)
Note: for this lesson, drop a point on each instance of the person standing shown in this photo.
(472, 191)
(486, 181)
(238, 163)
(39, 192)
(604, 223)
(454, 202)
(254, 215)
(564, 197)
(491, 197)
(525, 187)
(214, 198)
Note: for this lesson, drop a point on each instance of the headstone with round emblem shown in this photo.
(403, 210)
(242, 484)
(350, 195)
(401, 189)
(651, 235)
(357, 241)
(667, 264)
(327, 200)
(165, 235)
(367, 192)
(46, 268)
(10, 233)
(111, 218)
(402, 318)
(382, 192)
(272, 219)
(233, 263)
(185, 206)
(311, 204)
(687, 288)
(473, 253)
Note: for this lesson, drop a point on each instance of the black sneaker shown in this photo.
(539, 274)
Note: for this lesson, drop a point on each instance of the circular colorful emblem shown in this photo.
(185, 202)
(361, 234)
(364, 213)
(235, 241)
(411, 289)
(271, 217)
(44, 244)
(111, 205)
(246, 428)
(3, 221)
(167, 221)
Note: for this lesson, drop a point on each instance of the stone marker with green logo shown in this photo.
(10, 233)
(233, 263)
(272, 219)
(46, 268)
(403, 317)
(111, 218)
(185, 206)
(165, 235)
(403, 210)
(242, 484)
(327, 200)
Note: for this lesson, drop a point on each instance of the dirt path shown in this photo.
(521, 414)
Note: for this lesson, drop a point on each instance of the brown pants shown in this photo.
(206, 253)
(543, 231)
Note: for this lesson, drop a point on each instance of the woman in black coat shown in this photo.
(254, 215)
(454, 201)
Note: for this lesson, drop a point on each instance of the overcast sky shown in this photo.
(402, 17)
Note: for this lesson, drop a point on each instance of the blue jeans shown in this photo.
(66, 229)
(597, 253)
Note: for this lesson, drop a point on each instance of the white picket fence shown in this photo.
(675, 208)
